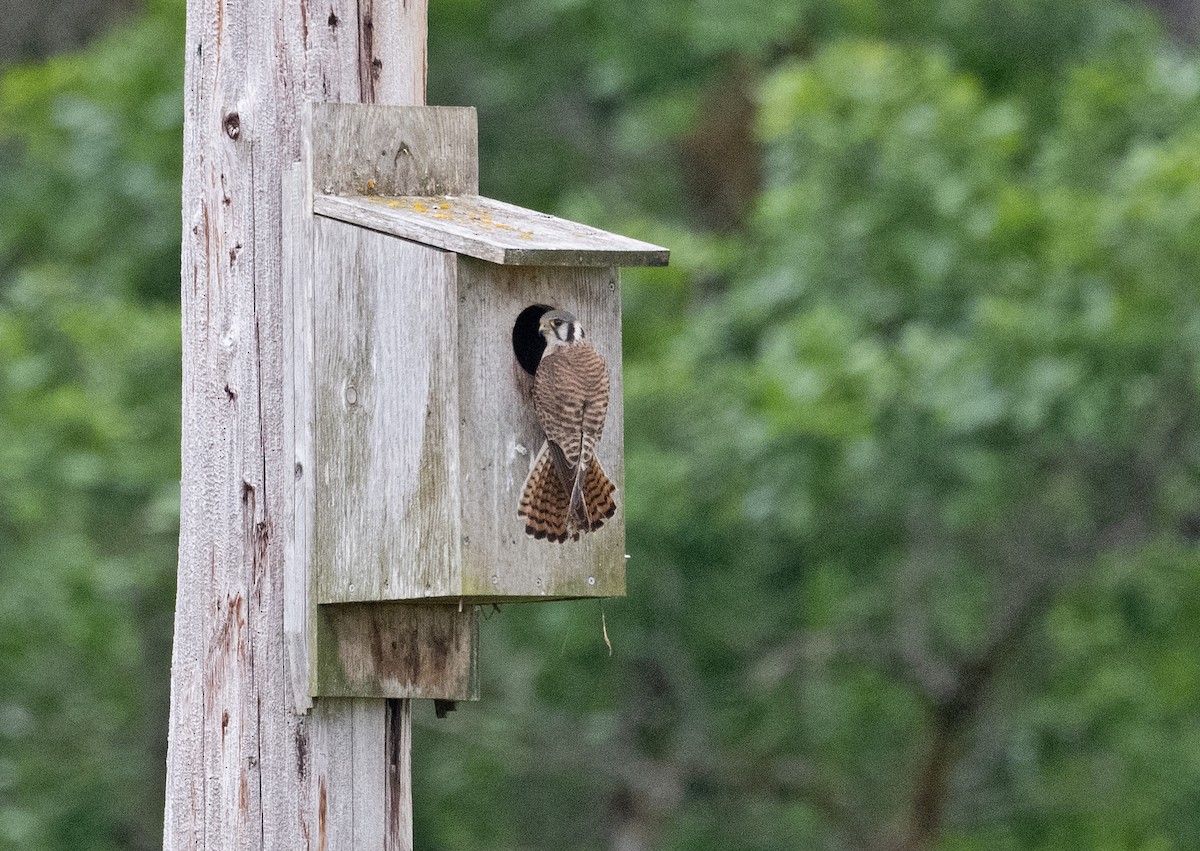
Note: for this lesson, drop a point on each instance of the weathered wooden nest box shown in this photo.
(413, 427)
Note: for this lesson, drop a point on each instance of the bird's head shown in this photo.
(559, 328)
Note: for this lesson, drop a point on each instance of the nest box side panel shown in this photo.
(386, 433)
(500, 435)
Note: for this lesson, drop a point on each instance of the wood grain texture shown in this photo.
(359, 468)
(392, 37)
(244, 769)
(500, 436)
(398, 799)
(299, 614)
(490, 230)
(425, 429)
(386, 434)
(348, 740)
(397, 650)
(394, 150)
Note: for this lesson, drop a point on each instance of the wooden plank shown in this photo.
(367, 748)
(299, 613)
(394, 150)
(386, 522)
(243, 770)
(332, 772)
(332, 59)
(398, 650)
(398, 804)
(347, 743)
(489, 230)
(420, 476)
(360, 316)
(500, 435)
(396, 42)
(392, 36)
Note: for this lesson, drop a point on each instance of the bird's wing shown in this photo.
(570, 396)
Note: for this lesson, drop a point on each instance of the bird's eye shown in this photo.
(558, 323)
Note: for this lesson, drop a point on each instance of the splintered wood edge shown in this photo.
(490, 230)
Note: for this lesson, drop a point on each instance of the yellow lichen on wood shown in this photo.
(485, 229)
(446, 209)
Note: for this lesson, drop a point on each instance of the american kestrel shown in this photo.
(567, 491)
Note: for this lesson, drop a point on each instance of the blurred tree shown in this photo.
(1182, 17)
(36, 30)
(89, 401)
(929, 407)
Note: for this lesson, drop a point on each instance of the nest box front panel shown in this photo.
(386, 434)
(500, 435)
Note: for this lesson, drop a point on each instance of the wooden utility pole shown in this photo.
(243, 769)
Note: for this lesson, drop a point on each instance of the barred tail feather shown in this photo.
(599, 495)
(552, 513)
(544, 501)
(592, 499)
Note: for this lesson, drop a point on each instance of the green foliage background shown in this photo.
(911, 419)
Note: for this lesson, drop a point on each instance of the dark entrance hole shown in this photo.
(528, 344)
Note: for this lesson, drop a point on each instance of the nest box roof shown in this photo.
(490, 230)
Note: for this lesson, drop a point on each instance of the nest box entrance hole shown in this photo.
(527, 342)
